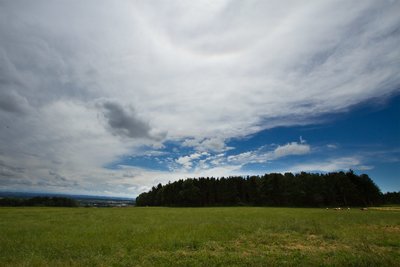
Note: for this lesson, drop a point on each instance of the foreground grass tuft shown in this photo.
(245, 236)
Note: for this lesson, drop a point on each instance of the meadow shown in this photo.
(231, 236)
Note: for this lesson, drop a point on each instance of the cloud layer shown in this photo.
(83, 83)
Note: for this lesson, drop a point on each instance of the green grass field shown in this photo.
(243, 236)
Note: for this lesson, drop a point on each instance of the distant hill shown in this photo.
(61, 200)
(76, 197)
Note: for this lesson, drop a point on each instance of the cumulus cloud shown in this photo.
(187, 161)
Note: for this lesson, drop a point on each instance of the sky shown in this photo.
(113, 97)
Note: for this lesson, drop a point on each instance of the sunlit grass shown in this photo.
(245, 236)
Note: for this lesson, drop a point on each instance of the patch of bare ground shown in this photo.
(314, 243)
(249, 245)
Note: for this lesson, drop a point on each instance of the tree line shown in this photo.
(39, 201)
(274, 189)
(391, 198)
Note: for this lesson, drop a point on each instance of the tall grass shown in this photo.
(244, 236)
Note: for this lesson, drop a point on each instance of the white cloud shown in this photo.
(207, 144)
(259, 156)
(187, 161)
(203, 71)
(292, 148)
(330, 165)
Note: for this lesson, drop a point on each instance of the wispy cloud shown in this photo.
(293, 148)
(260, 156)
(331, 165)
(336, 164)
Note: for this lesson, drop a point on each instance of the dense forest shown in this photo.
(39, 201)
(391, 198)
(274, 189)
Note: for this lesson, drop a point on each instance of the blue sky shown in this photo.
(365, 138)
(130, 94)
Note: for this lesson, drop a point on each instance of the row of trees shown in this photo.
(39, 201)
(274, 189)
(391, 198)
